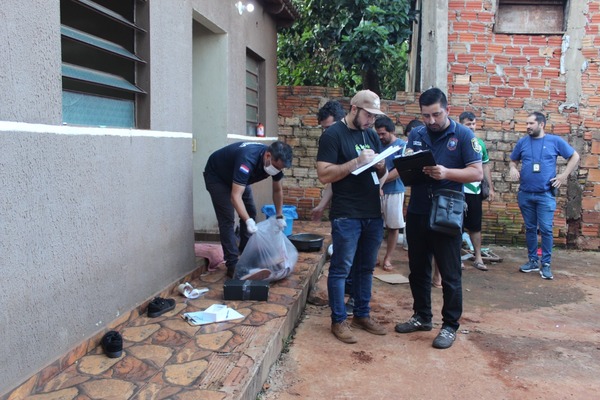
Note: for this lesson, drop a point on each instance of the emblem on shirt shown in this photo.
(452, 143)
(417, 143)
(244, 169)
(476, 145)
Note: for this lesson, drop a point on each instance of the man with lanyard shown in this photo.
(356, 224)
(228, 174)
(538, 152)
(458, 157)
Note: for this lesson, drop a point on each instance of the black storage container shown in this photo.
(236, 289)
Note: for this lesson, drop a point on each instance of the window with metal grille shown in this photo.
(100, 62)
(531, 16)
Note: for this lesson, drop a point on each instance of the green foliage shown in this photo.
(353, 44)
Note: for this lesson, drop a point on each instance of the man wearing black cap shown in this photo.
(356, 223)
(228, 174)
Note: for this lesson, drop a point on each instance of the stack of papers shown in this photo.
(214, 313)
(388, 152)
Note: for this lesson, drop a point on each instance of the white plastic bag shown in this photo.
(269, 255)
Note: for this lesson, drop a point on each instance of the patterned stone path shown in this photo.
(166, 358)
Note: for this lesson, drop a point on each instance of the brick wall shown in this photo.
(501, 78)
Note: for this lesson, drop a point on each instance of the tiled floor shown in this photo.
(166, 358)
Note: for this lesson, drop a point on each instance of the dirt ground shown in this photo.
(521, 337)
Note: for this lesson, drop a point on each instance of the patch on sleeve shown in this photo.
(476, 146)
(244, 169)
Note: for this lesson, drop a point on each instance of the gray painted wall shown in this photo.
(30, 75)
(94, 221)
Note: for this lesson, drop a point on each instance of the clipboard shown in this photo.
(410, 167)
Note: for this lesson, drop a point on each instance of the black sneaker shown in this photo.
(159, 306)
(112, 344)
(445, 338)
(350, 307)
(413, 324)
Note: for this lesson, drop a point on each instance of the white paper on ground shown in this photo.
(214, 313)
(387, 152)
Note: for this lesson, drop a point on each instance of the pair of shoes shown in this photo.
(387, 267)
(159, 306)
(445, 338)
(350, 307)
(343, 332)
(530, 266)
(368, 325)
(112, 344)
(545, 272)
(480, 266)
(413, 324)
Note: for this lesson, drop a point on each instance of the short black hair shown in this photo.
(281, 151)
(539, 117)
(385, 122)
(413, 124)
(433, 96)
(466, 115)
(332, 108)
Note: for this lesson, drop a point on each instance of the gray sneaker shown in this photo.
(350, 307)
(445, 338)
(413, 324)
(545, 272)
(530, 266)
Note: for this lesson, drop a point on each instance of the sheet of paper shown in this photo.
(389, 151)
(207, 317)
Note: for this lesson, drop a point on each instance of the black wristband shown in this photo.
(279, 217)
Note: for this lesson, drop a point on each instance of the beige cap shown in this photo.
(367, 100)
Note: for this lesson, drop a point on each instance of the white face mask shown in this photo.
(271, 170)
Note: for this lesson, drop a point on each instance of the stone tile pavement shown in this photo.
(166, 358)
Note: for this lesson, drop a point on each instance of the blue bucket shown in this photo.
(289, 213)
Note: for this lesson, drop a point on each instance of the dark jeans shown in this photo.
(220, 195)
(424, 243)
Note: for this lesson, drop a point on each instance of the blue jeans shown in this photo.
(356, 243)
(537, 210)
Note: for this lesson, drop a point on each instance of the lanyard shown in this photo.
(541, 149)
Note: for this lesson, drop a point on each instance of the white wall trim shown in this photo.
(8, 126)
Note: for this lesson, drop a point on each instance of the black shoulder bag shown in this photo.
(447, 210)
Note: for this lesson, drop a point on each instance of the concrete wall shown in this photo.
(95, 222)
(30, 75)
(92, 223)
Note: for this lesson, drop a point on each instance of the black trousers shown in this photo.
(220, 194)
(423, 244)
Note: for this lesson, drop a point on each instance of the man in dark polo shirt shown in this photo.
(228, 174)
(458, 157)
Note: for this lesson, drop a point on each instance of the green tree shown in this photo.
(353, 44)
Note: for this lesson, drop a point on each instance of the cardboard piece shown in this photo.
(410, 167)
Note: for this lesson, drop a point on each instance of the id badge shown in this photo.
(536, 167)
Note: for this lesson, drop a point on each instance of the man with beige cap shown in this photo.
(356, 223)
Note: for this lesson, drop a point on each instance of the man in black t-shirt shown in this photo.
(356, 223)
(228, 174)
